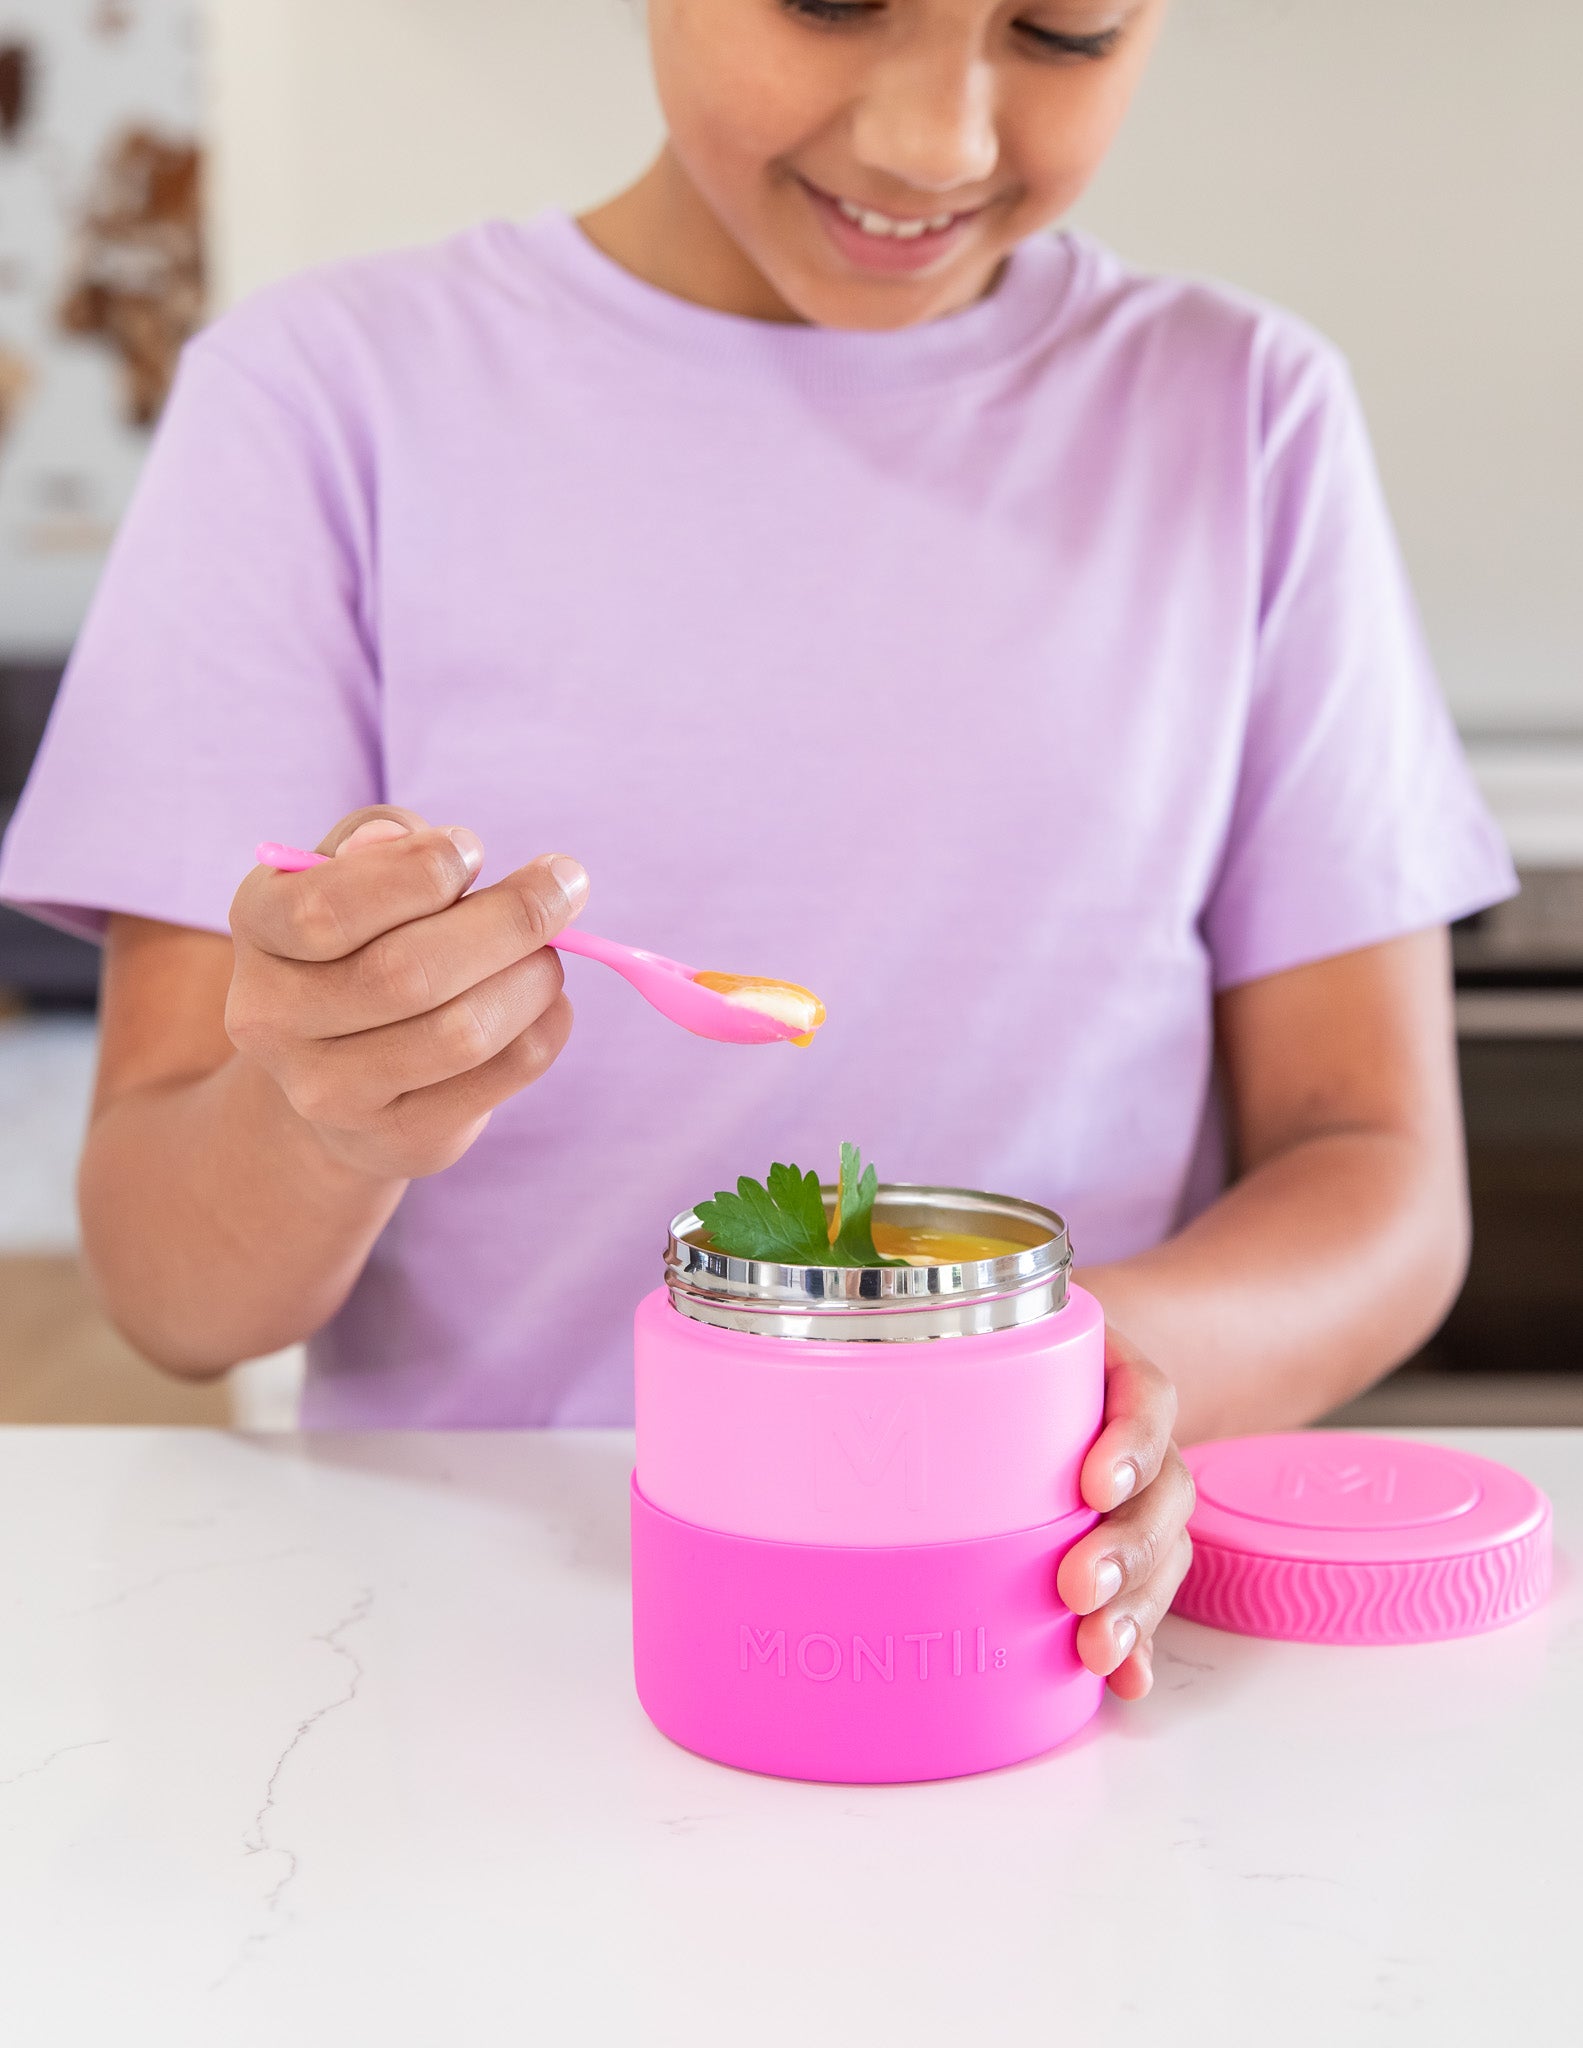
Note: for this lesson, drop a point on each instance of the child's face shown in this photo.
(993, 113)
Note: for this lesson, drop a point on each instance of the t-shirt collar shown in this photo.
(989, 335)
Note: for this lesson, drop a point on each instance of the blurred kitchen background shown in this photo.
(1409, 177)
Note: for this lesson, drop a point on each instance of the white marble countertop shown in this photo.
(334, 1740)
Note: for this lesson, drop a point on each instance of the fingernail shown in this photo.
(571, 876)
(1123, 1477)
(372, 832)
(1126, 1634)
(1107, 1581)
(468, 845)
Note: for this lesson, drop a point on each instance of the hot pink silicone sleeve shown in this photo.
(867, 1443)
(864, 1664)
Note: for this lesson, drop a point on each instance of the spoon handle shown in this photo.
(603, 950)
(287, 860)
(610, 954)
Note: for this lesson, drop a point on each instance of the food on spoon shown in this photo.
(783, 1219)
(782, 1000)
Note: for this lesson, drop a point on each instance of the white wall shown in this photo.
(1406, 173)
(342, 125)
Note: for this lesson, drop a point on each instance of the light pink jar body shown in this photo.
(844, 1554)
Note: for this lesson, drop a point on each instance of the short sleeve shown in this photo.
(223, 689)
(1356, 817)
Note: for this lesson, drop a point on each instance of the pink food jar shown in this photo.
(853, 1488)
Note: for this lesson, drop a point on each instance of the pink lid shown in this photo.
(1325, 1537)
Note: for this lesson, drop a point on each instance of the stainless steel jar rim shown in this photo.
(883, 1303)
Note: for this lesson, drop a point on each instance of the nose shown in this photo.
(927, 119)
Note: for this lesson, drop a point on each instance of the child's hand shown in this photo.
(393, 1010)
(1123, 1575)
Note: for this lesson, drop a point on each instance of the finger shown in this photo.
(1106, 1639)
(370, 825)
(420, 966)
(443, 1120)
(347, 1081)
(372, 832)
(1140, 1413)
(330, 911)
(1133, 1677)
(1123, 1552)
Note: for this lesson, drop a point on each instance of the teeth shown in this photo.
(882, 224)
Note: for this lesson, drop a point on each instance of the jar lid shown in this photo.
(1321, 1536)
(884, 1303)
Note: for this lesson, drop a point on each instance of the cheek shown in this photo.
(734, 95)
(1053, 144)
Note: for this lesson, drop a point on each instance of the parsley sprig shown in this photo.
(781, 1219)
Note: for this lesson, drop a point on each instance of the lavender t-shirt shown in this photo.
(1016, 681)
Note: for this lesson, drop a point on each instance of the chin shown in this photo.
(822, 287)
(864, 310)
(819, 290)
(862, 304)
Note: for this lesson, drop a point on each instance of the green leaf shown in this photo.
(782, 1219)
(797, 1194)
(854, 1236)
(783, 1222)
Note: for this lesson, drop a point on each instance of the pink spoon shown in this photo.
(728, 1014)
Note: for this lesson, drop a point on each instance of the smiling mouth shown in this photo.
(900, 229)
(870, 220)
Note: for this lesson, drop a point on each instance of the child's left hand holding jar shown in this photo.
(1123, 1575)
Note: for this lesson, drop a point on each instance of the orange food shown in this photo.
(782, 1000)
(939, 1247)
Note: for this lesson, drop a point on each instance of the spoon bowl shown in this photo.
(675, 992)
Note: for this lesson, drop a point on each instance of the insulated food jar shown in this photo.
(854, 1486)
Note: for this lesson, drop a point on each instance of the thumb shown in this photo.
(374, 825)
(373, 832)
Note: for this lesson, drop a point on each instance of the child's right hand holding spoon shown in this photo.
(394, 1009)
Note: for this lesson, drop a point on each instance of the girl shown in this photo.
(874, 590)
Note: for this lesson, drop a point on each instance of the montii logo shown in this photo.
(922, 1654)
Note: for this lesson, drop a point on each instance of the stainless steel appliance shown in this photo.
(1519, 975)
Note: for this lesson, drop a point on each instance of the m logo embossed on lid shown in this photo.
(1339, 1482)
(1327, 1476)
